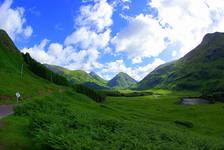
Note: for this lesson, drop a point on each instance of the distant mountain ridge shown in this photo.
(201, 68)
(79, 76)
(97, 77)
(93, 80)
(121, 80)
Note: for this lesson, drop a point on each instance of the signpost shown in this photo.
(17, 97)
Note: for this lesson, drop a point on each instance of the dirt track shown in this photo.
(5, 110)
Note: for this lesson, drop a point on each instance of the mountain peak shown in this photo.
(93, 73)
(6, 41)
(210, 37)
(122, 80)
(122, 73)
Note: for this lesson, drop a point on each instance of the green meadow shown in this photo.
(69, 120)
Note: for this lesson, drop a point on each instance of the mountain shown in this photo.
(97, 77)
(80, 77)
(201, 68)
(121, 80)
(56, 69)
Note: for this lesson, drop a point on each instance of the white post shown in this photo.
(17, 97)
(21, 73)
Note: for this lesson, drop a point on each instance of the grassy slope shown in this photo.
(77, 76)
(98, 78)
(10, 66)
(201, 68)
(128, 123)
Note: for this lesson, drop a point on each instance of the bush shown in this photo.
(96, 96)
(184, 123)
(131, 94)
(214, 93)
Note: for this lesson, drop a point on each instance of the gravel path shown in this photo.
(5, 110)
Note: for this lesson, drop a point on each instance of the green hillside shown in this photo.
(79, 76)
(11, 81)
(200, 69)
(121, 80)
(98, 78)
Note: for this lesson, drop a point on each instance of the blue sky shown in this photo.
(110, 36)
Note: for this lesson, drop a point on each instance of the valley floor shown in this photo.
(68, 120)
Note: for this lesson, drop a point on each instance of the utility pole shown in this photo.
(21, 73)
(51, 77)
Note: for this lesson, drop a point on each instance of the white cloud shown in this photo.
(98, 16)
(13, 20)
(28, 31)
(124, 4)
(87, 38)
(38, 52)
(184, 22)
(80, 49)
(112, 68)
(68, 57)
(190, 20)
(92, 26)
(84, 60)
(92, 31)
(144, 70)
(144, 37)
(174, 54)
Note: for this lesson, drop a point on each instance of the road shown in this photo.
(5, 110)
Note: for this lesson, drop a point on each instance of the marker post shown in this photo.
(17, 97)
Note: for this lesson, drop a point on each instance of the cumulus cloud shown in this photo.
(80, 49)
(97, 16)
(184, 22)
(55, 53)
(92, 30)
(125, 4)
(92, 26)
(112, 68)
(190, 20)
(86, 38)
(13, 20)
(144, 37)
(38, 52)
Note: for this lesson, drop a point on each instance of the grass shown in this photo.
(207, 119)
(69, 120)
(14, 133)
(11, 82)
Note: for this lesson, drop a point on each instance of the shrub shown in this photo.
(131, 94)
(185, 123)
(214, 93)
(96, 96)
